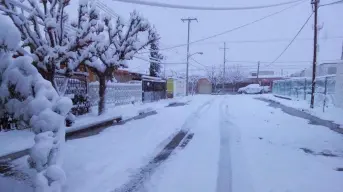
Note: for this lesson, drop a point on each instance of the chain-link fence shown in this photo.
(301, 88)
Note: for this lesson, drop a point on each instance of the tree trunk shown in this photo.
(102, 91)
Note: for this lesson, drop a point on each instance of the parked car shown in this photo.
(251, 89)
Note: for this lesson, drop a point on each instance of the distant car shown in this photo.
(251, 89)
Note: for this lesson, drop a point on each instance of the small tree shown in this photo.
(31, 99)
(235, 75)
(123, 42)
(44, 30)
(214, 77)
(155, 59)
(193, 81)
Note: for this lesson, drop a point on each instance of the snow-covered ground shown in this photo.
(16, 140)
(331, 113)
(240, 144)
(13, 141)
(252, 148)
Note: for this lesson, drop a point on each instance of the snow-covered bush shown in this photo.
(26, 95)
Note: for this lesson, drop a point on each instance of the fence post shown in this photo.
(325, 91)
(305, 89)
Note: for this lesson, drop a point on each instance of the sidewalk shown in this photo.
(108, 160)
(331, 113)
(18, 141)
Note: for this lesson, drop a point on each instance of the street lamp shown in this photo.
(189, 56)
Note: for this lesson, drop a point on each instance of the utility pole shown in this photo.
(189, 20)
(315, 9)
(258, 71)
(224, 66)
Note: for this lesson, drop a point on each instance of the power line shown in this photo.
(290, 43)
(332, 3)
(272, 40)
(203, 8)
(230, 30)
(143, 59)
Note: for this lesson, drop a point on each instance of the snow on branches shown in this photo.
(155, 59)
(45, 31)
(121, 41)
(26, 95)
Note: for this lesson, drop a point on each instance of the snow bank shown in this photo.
(331, 113)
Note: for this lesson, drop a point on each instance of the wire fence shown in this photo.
(301, 88)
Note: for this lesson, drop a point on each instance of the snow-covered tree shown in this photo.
(213, 76)
(235, 74)
(155, 59)
(26, 95)
(121, 42)
(45, 31)
(193, 82)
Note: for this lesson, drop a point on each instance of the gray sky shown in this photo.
(281, 26)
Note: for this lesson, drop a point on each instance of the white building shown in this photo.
(323, 69)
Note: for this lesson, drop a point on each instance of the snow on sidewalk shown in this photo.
(17, 140)
(282, 152)
(331, 113)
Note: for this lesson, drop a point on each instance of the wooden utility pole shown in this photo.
(314, 64)
(224, 69)
(189, 20)
(258, 71)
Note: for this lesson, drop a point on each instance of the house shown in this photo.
(322, 69)
(204, 86)
(265, 78)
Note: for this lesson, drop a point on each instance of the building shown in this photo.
(322, 69)
(204, 86)
(339, 86)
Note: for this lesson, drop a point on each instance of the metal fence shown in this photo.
(151, 96)
(301, 88)
(116, 93)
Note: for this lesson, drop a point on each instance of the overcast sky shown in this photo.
(282, 26)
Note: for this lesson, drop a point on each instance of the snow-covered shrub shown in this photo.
(81, 104)
(26, 95)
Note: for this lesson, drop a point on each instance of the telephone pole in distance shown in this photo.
(224, 67)
(189, 20)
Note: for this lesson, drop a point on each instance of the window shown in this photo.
(332, 70)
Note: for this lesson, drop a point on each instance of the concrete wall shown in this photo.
(339, 86)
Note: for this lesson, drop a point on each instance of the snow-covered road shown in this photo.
(241, 144)
(232, 143)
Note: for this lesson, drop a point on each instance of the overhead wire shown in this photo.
(290, 43)
(332, 3)
(204, 8)
(231, 30)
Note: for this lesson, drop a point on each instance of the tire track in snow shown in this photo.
(137, 180)
(224, 179)
(233, 174)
